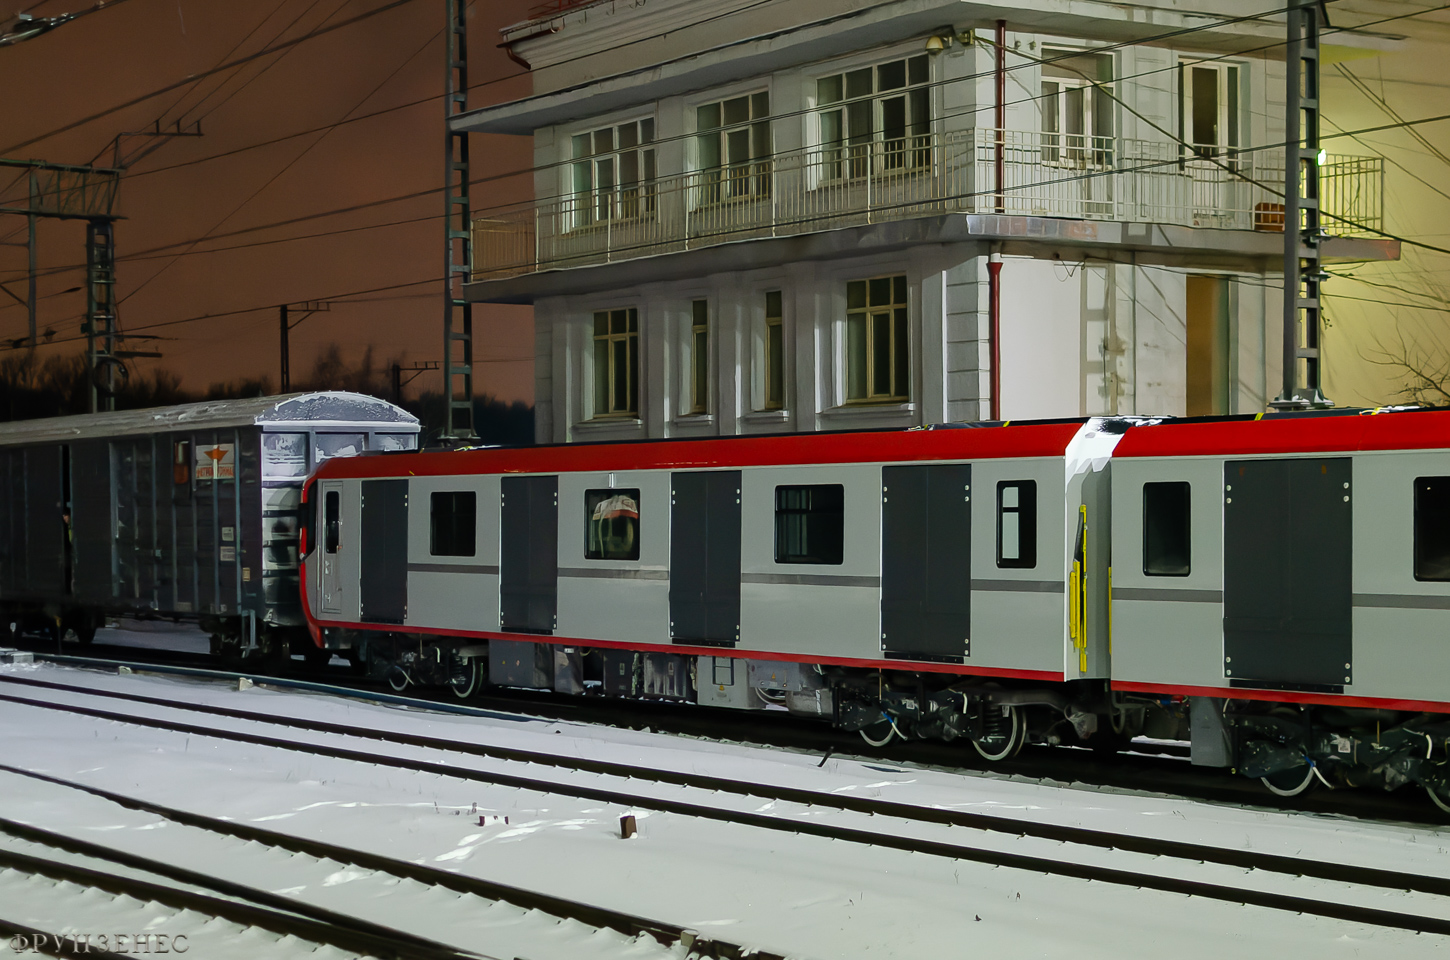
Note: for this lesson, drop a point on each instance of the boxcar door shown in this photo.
(383, 582)
(529, 554)
(333, 533)
(926, 561)
(1287, 600)
(705, 558)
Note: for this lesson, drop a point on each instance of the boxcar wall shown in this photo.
(168, 524)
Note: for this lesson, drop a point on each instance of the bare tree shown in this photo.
(1423, 372)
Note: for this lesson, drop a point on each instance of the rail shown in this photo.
(846, 185)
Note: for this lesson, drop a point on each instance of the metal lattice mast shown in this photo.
(1303, 229)
(101, 357)
(458, 253)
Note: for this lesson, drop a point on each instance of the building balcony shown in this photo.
(1059, 176)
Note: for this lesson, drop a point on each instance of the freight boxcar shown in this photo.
(185, 512)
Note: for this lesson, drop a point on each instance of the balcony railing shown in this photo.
(825, 188)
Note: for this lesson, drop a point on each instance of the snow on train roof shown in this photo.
(327, 407)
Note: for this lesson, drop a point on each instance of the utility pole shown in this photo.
(101, 313)
(284, 379)
(457, 238)
(1303, 229)
(286, 326)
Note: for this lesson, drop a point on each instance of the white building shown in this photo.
(768, 216)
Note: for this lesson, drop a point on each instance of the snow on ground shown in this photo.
(802, 896)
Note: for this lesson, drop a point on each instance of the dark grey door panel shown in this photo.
(1288, 572)
(926, 562)
(705, 558)
(529, 558)
(384, 551)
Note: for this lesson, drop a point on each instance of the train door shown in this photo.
(383, 555)
(1287, 573)
(705, 558)
(529, 554)
(332, 539)
(926, 561)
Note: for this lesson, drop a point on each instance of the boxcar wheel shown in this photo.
(1438, 799)
(1004, 742)
(398, 679)
(464, 679)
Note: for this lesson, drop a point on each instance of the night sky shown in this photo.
(184, 191)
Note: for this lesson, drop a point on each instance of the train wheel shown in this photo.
(879, 734)
(1004, 742)
(1438, 799)
(398, 679)
(464, 680)
(1291, 782)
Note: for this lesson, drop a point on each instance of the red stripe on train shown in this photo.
(1281, 696)
(1407, 430)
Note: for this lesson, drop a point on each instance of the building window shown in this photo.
(1077, 108)
(699, 357)
(181, 462)
(613, 518)
(733, 148)
(774, 352)
(454, 526)
(1208, 115)
(876, 119)
(1017, 523)
(1166, 526)
(614, 173)
(616, 363)
(877, 335)
(1432, 528)
(810, 523)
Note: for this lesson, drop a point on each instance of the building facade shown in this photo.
(787, 216)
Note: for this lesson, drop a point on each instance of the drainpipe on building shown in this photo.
(994, 331)
(998, 159)
(508, 45)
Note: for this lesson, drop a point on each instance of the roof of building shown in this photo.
(328, 407)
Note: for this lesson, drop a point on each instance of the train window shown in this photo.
(1166, 523)
(1017, 523)
(284, 454)
(1432, 528)
(613, 518)
(329, 445)
(455, 524)
(810, 523)
(308, 529)
(394, 441)
(332, 520)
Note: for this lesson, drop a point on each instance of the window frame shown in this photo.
(331, 521)
(606, 354)
(805, 531)
(1416, 557)
(773, 353)
(457, 529)
(1026, 512)
(1229, 111)
(863, 313)
(592, 203)
(842, 109)
(699, 357)
(1093, 146)
(723, 174)
(1187, 518)
(605, 494)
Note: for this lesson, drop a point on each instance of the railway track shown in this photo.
(1343, 892)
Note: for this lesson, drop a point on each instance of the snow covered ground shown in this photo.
(796, 895)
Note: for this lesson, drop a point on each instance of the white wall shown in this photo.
(1041, 339)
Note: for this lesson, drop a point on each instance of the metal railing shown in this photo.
(845, 185)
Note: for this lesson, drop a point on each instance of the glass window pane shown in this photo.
(601, 324)
(1102, 114)
(855, 294)
(900, 356)
(737, 147)
(601, 377)
(736, 110)
(1050, 107)
(616, 321)
(1205, 105)
(328, 445)
(1432, 528)
(699, 313)
(647, 130)
(898, 289)
(1017, 524)
(760, 141)
(396, 441)
(633, 374)
(633, 319)
(920, 112)
(629, 168)
(707, 117)
(831, 127)
(1166, 526)
(828, 89)
(856, 356)
(1011, 537)
(701, 372)
(583, 182)
(628, 136)
(893, 118)
(1233, 106)
(454, 526)
(859, 122)
(891, 76)
(917, 69)
(621, 386)
(881, 292)
(858, 83)
(612, 518)
(709, 150)
(775, 366)
(810, 524)
(604, 140)
(332, 521)
(581, 145)
(881, 354)
(759, 105)
(772, 303)
(284, 455)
